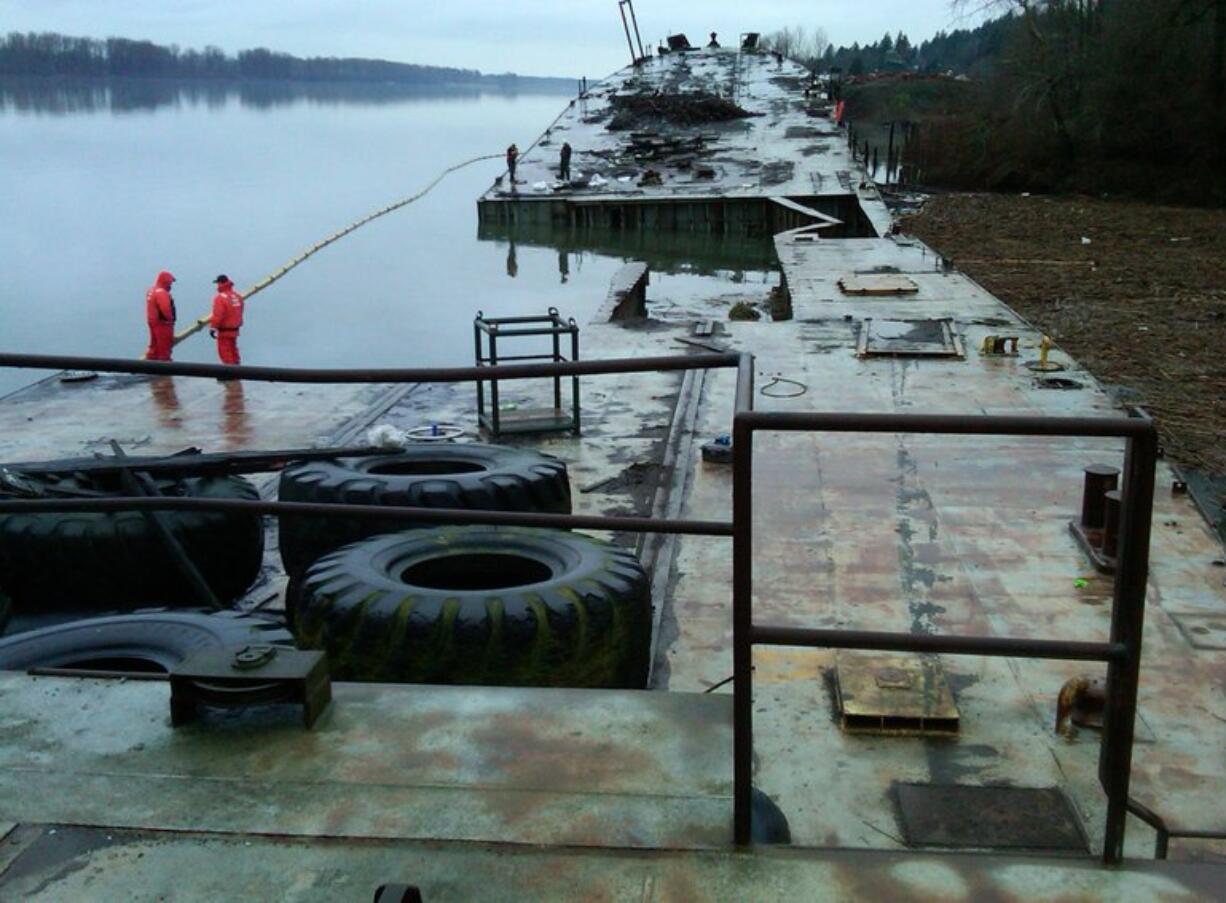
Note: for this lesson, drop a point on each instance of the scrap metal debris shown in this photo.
(635, 110)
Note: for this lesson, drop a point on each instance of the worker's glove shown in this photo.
(212, 333)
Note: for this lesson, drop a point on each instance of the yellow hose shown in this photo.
(320, 245)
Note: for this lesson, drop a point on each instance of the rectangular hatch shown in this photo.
(909, 338)
(877, 284)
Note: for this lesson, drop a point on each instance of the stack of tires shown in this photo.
(75, 570)
(91, 562)
(510, 606)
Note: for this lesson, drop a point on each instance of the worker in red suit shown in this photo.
(160, 315)
(226, 319)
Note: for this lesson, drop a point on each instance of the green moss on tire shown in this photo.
(480, 605)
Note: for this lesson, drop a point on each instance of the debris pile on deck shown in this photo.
(639, 110)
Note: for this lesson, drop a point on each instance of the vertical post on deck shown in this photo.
(1127, 621)
(889, 154)
(621, 8)
(494, 412)
(742, 627)
(557, 356)
(634, 20)
(478, 362)
(574, 380)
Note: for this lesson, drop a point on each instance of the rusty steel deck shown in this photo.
(549, 767)
(46, 864)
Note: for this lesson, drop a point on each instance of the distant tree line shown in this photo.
(1126, 96)
(962, 51)
(50, 54)
(959, 51)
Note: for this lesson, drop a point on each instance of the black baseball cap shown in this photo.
(222, 278)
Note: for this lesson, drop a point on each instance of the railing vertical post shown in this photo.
(495, 413)
(479, 361)
(557, 356)
(574, 380)
(1127, 621)
(742, 625)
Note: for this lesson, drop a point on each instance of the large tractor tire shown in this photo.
(428, 475)
(148, 642)
(504, 606)
(103, 562)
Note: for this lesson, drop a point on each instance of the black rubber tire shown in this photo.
(554, 608)
(105, 562)
(137, 642)
(472, 475)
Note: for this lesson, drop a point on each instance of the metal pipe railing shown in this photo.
(876, 641)
(662, 363)
(1122, 652)
(1164, 833)
(371, 512)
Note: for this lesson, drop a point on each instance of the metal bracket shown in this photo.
(247, 676)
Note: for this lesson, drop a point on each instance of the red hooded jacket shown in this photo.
(227, 307)
(159, 305)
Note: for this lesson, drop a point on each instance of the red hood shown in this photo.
(164, 280)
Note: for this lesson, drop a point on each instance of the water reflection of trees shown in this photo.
(125, 95)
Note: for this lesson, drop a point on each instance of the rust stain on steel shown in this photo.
(543, 753)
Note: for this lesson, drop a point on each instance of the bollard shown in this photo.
(1111, 523)
(1100, 479)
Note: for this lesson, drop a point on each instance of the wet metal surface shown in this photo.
(938, 535)
(565, 767)
(92, 864)
(151, 415)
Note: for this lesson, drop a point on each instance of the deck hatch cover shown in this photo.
(894, 695)
(881, 284)
(909, 338)
(1002, 818)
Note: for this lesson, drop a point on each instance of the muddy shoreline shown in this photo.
(1135, 291)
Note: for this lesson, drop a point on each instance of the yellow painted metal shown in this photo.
(894, 695)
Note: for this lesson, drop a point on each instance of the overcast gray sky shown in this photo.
(539, 37)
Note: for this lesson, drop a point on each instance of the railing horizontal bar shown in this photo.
(502, 358)
(923, 642)
(496, 321)
(990, 425)
(380, 375)
(523, 331)
(372, 512)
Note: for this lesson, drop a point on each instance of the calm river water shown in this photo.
(101, 188)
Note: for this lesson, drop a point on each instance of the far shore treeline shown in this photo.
(50, 54)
